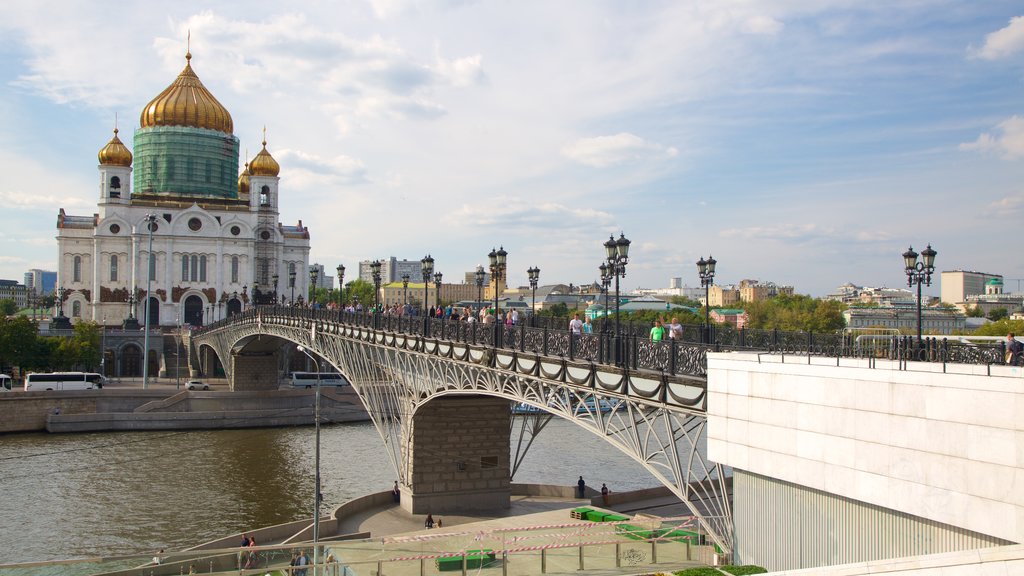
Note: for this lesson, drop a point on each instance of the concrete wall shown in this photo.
(1004, 560)
(453, 438)
(28, 411)
(254, 371)
(947, 447)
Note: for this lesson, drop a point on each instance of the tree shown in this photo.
(998, 314)
(975, 312)
(8, 307)
(797, 312)
(359, 290)
(1001, 328)
(19, 342)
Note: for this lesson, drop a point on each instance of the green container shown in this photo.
(595, 516)
(474, 559)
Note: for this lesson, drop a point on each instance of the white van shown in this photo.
(6, 382)
(64, 381)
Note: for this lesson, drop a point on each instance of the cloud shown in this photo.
(1009, 143)
(338, 169)
(1003, 42)
(1006, 206)
(805, 233)
(602, 151)
(18, 200)
(515, 213)
(761, 25)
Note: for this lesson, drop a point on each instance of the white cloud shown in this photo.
(1008, 143)
(338, 169)
(602, 151)
(762, 25)
(804, 233)
(1003, 42)
(1006, 206)
(20, 200)
(516, 213)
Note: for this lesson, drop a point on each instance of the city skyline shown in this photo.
(805, 145)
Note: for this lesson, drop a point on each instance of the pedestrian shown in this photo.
(657, 332)
(1014, 350)
(576, 325)
(439, 522)
(396, 493)
(604, 493)
(582, 487)
(159, 558)
(429, 522)
(675, 329)
(301, 562)
(588, 327)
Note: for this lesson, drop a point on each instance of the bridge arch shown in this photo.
(657, 420)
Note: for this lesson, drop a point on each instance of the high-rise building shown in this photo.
(40, 281)
(189, 235)
(957, 285)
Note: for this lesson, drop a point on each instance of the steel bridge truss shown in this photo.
(659, 421)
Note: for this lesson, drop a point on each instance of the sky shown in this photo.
(803, 142)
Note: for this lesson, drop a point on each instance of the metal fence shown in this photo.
(631, 348)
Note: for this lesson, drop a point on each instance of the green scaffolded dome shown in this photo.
(185, 146)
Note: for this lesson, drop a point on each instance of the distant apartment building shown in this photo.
(755, 290)
(850, 293)
(11, 290)
(323, 280)
(734, 316)
(392, 269)
(40, 281)
(957, 285)
(993, 299)
(904, 318)
(722, 296)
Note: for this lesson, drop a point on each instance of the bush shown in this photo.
(743, 570)
(702, 571)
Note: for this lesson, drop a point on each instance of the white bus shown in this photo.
(64, 381)
(308, 379)
(6, 383)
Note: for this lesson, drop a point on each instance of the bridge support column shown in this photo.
(254, 371)
(459, 456)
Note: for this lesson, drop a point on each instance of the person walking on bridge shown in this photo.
(582, 486)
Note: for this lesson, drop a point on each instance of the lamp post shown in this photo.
(497, 261)
(437, 289)
(316, 481)
(706, 271)
(341, 286)
(150, 221)
(606, 283)
(480, 286)
(291, 282)
(375, 271)
(617, 255)
(275, 278)
(255, 294)
(533, 273)
(405, 291)
(427, 268)
(314, 273)
(919, 273)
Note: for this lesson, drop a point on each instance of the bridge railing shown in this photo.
(632, 348)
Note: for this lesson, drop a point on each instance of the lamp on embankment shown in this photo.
(316, 481)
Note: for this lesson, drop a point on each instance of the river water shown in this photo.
(97, 494)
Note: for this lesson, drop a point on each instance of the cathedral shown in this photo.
(176, 226)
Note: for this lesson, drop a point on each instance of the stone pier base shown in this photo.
(254, 371)
(459, 456)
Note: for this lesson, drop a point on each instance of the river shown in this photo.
(81, 495)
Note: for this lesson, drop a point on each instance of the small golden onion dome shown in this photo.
(115, 153)
(243, 181)
(264, 164)
(186, 102)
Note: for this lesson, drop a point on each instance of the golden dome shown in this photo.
(186, 102)
(264, 164)
(243, 181)
(115, 153)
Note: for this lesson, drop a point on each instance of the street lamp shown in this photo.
(256, 293)
(316, 482)
(918, 273)
(497, 261)
(291, 282)
(314, 273)
(437, 289)
(375, 271)
(534, 275)
(480, 286)
(706, 271)
(617, 255)
(606, 283)
(341, 285)
(427, 268)
(150, 221)
(275, 278)
(405, 291)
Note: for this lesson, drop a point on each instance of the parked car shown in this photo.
(197, 385)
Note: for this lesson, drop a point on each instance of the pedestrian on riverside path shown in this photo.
(396, 494)
(429, 522)
(604, 493)
(582, 487)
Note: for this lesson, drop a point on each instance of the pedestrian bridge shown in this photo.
(447, 396)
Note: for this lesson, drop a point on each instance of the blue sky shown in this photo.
(802, 142)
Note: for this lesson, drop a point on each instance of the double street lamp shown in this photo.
(275, 278)
(314, 274)
(405, 292)
(606, 283)
(706, 271)
(317, 496)
(291, 282)
(341, 286)
(918, 273)
(480, 286)
(533, 273)
(437, 289)
(427, 268)
(150, 221)
(617, 256)
(375, 272)
(497, 262)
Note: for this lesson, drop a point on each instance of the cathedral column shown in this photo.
(94, 298)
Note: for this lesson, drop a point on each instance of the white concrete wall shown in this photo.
(1001, 561)
(946, 447)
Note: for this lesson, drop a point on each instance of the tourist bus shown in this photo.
(6, 383)
(64, 381)
(309, 379)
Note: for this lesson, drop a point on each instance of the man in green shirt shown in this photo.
(658, 332)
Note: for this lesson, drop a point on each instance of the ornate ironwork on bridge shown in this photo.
(655, 417)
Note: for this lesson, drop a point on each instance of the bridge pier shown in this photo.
(254, 371)
(459, 456)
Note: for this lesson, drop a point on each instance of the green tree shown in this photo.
(998, 314)
(359, 290)
(1001, 328)
(797, 312)
(975, 312)
(8, 307)
(19, 342)
(559, 310)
